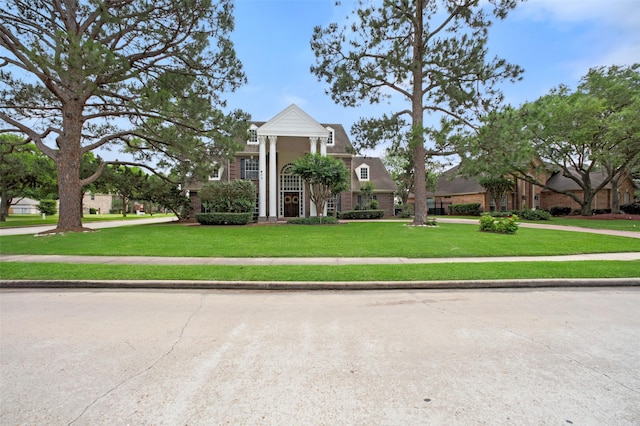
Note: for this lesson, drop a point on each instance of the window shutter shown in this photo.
(242, 169)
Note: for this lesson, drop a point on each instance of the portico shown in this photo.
(290, 128)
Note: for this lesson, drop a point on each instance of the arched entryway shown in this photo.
(291, 193)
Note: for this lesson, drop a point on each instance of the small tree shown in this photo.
(323, 177)
(497, 187)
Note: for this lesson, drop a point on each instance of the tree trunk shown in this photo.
(615, 199)
(417, 115)
(5, 203)
(70, 190)
(585, 209)
(67, 160)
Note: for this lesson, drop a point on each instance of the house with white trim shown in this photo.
(266, 158)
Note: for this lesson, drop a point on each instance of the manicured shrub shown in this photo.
(528, 214)
(560, 211)
(47, 207)
(361, 214)
(501, 225)
(632, 208)
(469, 209)
(326, 220)
(224, 218)
(600, 211)
(92, 210)
(237, 196)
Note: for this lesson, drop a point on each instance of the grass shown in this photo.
(356, 239)
(615, 225)
(348, 240)
(364, 273)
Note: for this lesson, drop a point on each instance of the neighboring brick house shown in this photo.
(454, 189)
(267, 157)
(102, 203)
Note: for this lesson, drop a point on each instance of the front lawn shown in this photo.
(354, 239)
(313, 273)
(17, 220)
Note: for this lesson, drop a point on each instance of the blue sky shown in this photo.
(555, 41)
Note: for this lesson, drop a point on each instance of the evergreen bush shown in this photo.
(361, 214)
(47, 207)
(237, 196)
(560, 211)
(469, 209)
(326, 220)
(224, 218)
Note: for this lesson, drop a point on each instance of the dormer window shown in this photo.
(363, 173)
(253, 135)
(331, 140)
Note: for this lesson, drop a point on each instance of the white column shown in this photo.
(262, 183)
(323, 146)
(313, 144)
(273, 173)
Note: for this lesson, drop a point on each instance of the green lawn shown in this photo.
(356, 239)
(421, 272)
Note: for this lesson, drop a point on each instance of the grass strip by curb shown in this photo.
(362, 273)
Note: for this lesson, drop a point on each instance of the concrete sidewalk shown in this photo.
(335, 261)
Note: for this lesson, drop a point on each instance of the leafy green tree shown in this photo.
(24, 172)
(399, 163)
(594, 128)
(497, 186)
(129, 183)
(166, 194)
(429, 54)
(145, 77)
(323, 176)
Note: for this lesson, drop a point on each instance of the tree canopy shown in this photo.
(323, 176)
(578, 133)
(24, 172)
(423, 57)
(146, 78)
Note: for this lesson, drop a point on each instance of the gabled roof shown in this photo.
(450, 183)
(293, 121)
(562, 183)
(378, 175)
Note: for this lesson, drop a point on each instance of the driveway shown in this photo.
(556, 357)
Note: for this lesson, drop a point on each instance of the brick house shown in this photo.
(454, 189)
(267, 156)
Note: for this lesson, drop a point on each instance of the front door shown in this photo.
(291, 204)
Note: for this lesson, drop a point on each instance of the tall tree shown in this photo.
(431, 54)
(593, 129)
(323, 176)
(146, 77)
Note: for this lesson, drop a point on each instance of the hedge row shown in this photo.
(326, 220)
(526, 214)
(470, 209)
(362, 214)
(224, 218)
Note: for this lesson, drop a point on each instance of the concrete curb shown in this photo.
(328, 285)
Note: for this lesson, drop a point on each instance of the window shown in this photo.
(217, 173)
(331, 140)
(253, 135)
(250, 169)
(364, 173)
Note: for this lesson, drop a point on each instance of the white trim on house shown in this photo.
(291, 122)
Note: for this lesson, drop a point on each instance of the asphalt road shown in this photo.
(465, 357)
